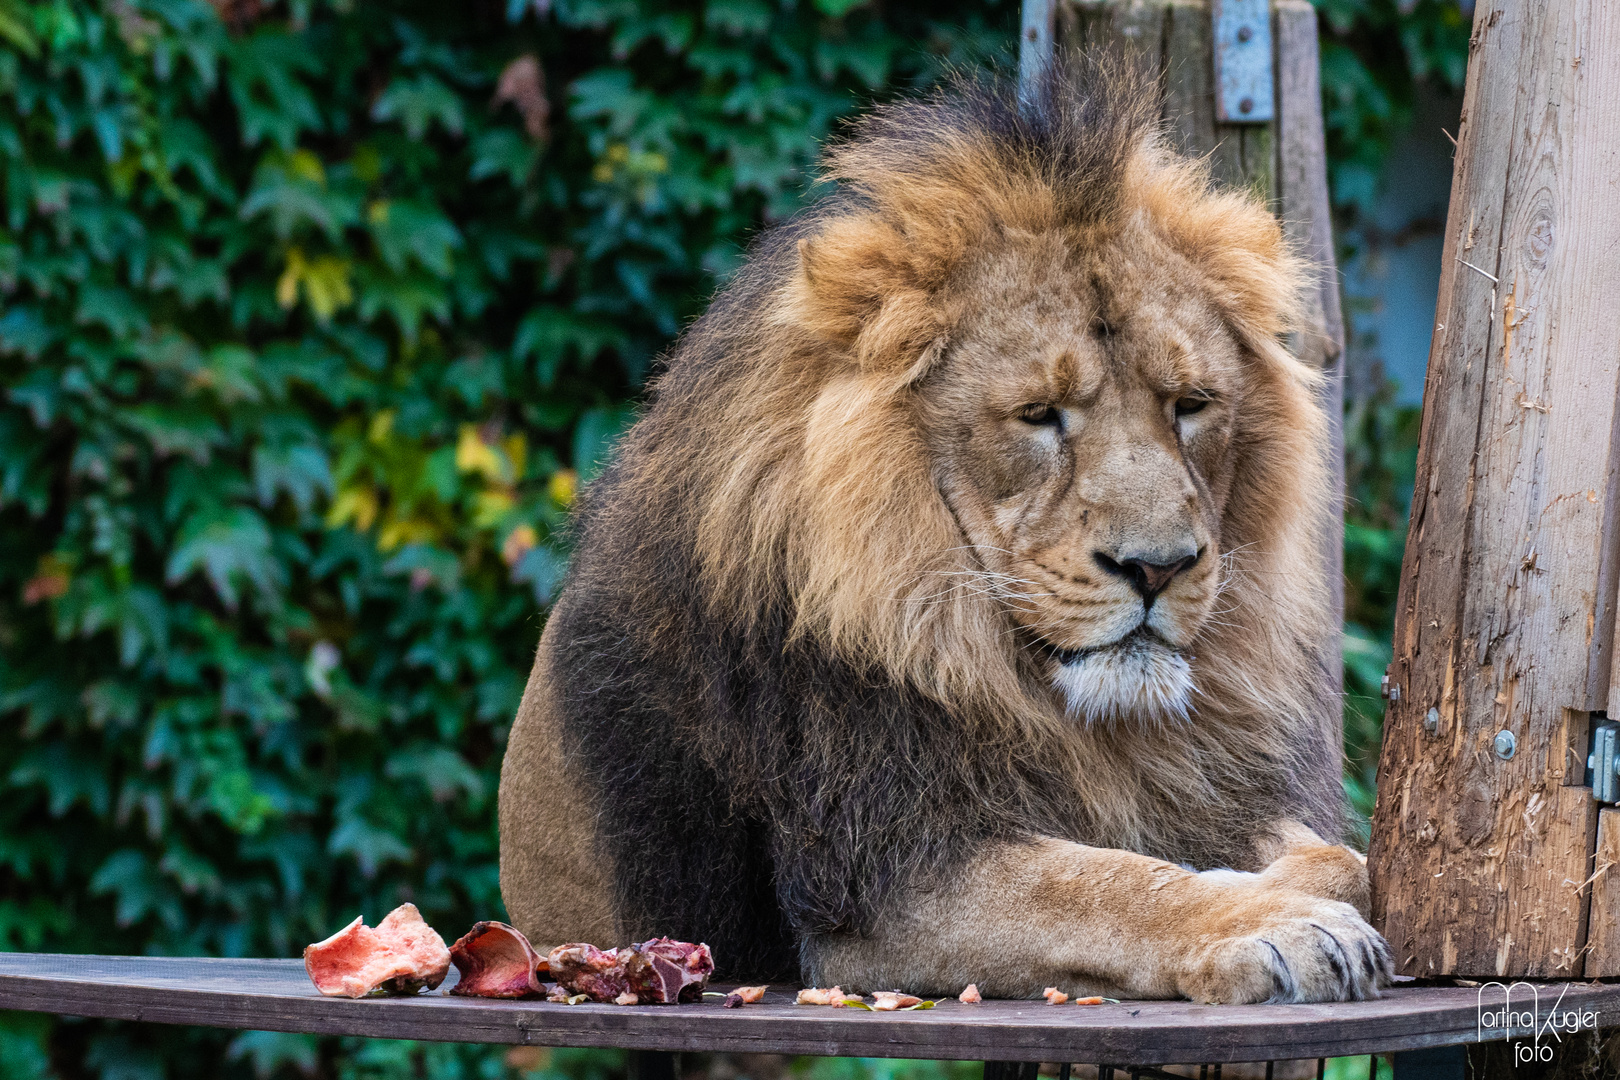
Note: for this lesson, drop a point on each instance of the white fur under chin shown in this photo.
(1138, 681)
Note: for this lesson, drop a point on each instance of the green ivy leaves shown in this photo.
(316, 317)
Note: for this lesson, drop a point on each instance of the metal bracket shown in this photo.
(1244, 86)
(1603, 760)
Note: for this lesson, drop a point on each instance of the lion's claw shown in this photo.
(1301, 949)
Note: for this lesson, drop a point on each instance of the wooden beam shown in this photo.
(1480, 848)
(1035, 33)
(1305, 207)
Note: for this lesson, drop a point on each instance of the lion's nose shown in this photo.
(1146, 573)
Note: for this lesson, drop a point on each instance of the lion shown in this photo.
(954, 611)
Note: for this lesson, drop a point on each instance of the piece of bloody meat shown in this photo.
(401, 955)
(658, 971)
(662, 971)
(495, 960)
(584, 969)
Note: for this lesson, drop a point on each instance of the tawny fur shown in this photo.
(805, 679)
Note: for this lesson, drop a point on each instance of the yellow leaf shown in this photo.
(304, 164)
(382, 425)
(517, 454)
(564, 483)
(287, 287)
(325, 279)
(489, 507)
(356, 504)
(474, 455)
(377, 212)
(326, 284)
(396, 533)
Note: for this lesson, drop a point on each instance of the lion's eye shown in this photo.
(1040, 415)
(1188, 405)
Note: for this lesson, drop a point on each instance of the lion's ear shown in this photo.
(862, 287)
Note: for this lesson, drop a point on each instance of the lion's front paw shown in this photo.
(1326, 870)
(1288, 947)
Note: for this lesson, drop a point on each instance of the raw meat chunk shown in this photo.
(657, 971)
(812, 996)
(1054, 996)
(751, 994)
(496, 960)
(890, 1000)
(662, 971)
(401, 955)
(582, 968)
(970, 996)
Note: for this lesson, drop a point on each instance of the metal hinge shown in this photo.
(1603, 759)
(1244, 91)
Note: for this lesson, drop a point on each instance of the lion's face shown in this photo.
(1080, 422)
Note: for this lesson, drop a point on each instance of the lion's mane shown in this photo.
(779, 716)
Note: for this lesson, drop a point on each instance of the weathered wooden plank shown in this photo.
(1477, 857)
(1304, 205)
(1036, 28)
(1189, 77)
(1603, 929)
(1423, 675)
(1240, 155)
(275, 995)
(1302, 182)
(1127, 26)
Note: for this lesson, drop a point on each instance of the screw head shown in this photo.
(1431, 721)
(1505, 744)
(1033, 34)
(1246, 105)
(1244, 33)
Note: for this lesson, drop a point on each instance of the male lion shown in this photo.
(954, 613)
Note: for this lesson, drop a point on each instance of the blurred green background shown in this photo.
(316, 314)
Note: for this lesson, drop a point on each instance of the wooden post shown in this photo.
(1284, 162)
(1484, 833)
(1035, 31)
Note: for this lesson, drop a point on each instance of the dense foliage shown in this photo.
(316, 313)
(1374, 53)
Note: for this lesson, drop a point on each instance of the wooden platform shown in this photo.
(276, 995)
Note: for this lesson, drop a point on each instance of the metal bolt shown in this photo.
(1246, 105)
(1383, 686)
(1505, 744)
(1244, 33)
(1431, 722)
